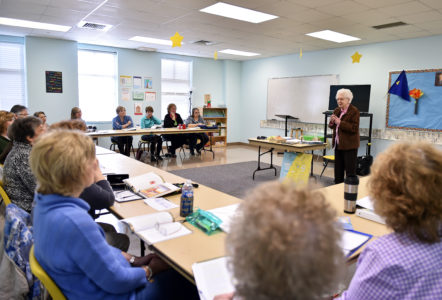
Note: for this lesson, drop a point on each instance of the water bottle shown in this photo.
(350, 193)
(186, 203)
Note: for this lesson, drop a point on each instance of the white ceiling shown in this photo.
(286, 34)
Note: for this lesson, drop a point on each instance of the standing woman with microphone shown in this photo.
(345, 124)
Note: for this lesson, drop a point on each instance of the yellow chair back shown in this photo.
(4, 196)
(47, 281)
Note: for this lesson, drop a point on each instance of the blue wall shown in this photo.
(376, 63)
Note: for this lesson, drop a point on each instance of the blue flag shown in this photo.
(400, 87)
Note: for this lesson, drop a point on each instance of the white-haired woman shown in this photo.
(284, 244)
(345, 124)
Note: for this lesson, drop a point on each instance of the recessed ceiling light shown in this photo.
(34, 25)
(237, 52)
(333, 36)
(151, 40)
(238, 13)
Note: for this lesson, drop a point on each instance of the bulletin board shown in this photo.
(401, 113)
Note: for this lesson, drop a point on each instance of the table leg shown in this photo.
(142, 247)
(259, 161)
(311, 168)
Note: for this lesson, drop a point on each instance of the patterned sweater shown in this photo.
(19, 181)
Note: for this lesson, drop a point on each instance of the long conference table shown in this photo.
(184, 251)
(147, 131)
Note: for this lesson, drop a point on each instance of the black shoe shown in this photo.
(192, 153)
(198, 151)
(159, 158)
(152, 158)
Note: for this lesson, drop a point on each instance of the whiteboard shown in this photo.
(303, 97)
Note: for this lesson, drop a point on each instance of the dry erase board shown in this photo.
(400, 113)
(303, 97)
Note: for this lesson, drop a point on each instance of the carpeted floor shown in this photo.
(235, 179)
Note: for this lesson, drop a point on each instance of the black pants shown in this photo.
(345, 161)
(124, 144)
(156, 143)
(204, 138)
(113, 238)
(176, 140)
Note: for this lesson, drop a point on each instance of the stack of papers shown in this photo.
(367, 210)
(225, 213)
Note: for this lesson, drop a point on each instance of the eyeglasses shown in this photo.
(23, 114)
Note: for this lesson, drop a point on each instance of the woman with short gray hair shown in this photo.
(345, 124)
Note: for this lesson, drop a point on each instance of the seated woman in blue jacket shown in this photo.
(71, 247)
(122, 121)
(156, 142)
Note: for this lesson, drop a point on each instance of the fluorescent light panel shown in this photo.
(150, 40)
(237, 52)
(34, 25)
(238, 13)
(333, 36)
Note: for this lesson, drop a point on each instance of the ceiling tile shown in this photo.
(343, 8)
(405, 9)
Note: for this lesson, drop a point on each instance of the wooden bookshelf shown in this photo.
(217, 115)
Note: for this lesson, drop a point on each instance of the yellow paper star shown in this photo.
(356, 57)
(215, 55)
(176, 40)
(300, 53)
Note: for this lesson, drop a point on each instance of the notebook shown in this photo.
(156, 227)
(352, 240)
(212, 278)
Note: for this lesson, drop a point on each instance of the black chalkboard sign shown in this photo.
(54, 82)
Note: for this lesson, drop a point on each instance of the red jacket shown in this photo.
(348, 129)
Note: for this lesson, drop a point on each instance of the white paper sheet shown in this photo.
(212, 278)
(160, 203)
(365, 202)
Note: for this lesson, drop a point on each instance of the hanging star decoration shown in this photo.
(176, 40)
(215, 55)
(356, 57)
(300, 53)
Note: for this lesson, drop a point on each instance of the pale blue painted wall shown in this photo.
(232, 92)
(42, 54)
(376, 63)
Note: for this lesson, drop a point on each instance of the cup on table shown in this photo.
(351, 184)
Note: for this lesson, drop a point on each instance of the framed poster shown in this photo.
(54, 82)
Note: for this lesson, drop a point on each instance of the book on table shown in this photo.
(150, 185)
(155, 227)
(212, 278)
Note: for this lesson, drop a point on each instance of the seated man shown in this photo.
(122, 121)
(156, 142)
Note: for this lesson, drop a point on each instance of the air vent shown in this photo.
(389, 25)
(203, 43)
(94, 26)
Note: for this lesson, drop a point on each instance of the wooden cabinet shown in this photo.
(218, 116)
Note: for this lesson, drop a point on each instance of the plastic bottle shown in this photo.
(186, 203)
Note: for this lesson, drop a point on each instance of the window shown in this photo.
(12, 75)
(175, 85)
(97, 85)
